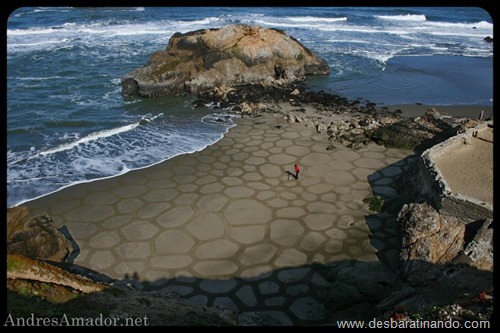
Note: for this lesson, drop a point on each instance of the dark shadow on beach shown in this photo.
(383, 221)
(309, 295)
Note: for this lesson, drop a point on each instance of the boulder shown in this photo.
(228, 56)
(428, 237)
(35, 237)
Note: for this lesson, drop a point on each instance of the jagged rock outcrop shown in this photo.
(35, 237)
(428, 237)
(422, 132)
(229, 56)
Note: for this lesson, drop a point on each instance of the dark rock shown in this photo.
(51, 291)
(341, 296)
(360, 311)
(488, 39)
(417, 133)
(395, 298)
(357, 286)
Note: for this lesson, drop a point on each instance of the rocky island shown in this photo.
(230, 56)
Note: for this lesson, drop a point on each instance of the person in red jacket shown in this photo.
(297, 170)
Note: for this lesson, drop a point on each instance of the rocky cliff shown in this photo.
(229, 56)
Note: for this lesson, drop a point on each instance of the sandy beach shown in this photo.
(226, 225)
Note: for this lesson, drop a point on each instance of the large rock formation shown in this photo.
(433, 244)
(229, 56)
(428, 237)
(35, 237)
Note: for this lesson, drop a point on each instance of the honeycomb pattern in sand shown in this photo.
(226, 226)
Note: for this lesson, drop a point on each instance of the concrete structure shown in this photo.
(458, 173)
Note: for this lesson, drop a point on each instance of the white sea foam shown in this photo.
(115, 41)
(478, 25)
(90, 137)
(40, 43)
(29, 32)
(315, 19)
(310, 25)
(109, 167)
(76, 30)
(407, 17)
(207, 20)
(95, 136)
(42, 78)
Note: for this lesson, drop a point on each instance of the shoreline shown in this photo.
(405, 110)
(121, 174)
(225, 225)
(215, 224)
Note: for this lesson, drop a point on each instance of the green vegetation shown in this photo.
(12, 264)
(375, 203)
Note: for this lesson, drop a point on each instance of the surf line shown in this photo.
(95, 136)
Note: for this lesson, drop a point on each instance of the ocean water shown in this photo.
(67, 121)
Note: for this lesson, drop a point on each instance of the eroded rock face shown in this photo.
(232, 55)
(427, 236)
(35, 237)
